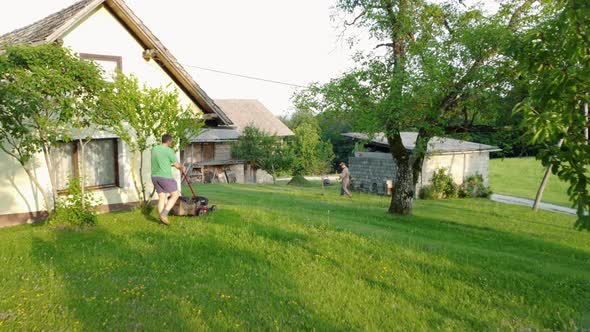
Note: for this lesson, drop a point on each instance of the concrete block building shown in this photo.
(370, 171)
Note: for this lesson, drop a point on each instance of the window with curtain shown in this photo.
(63, 161)
(101, 163)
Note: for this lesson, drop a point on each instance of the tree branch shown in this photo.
(385, 45)
(346, 23)
(455, 93)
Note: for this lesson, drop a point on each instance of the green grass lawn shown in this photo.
(281, 258)
(522, 176)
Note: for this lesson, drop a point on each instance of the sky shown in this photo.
(294, 42)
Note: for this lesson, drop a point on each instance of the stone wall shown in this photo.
(370, 174)
(370, 171)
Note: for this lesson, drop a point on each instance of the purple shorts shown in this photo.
(164, 185)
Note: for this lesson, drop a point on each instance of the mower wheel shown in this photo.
(213, 208)
(201, 212)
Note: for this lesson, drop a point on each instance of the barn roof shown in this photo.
(245, 112)
(56, 26)
(437, 145)
(217, 135)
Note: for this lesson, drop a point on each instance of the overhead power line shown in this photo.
(245, 76)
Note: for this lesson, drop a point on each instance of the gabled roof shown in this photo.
(217, 135)
(436, 145)
(245, 112)
(38, 32)
(55, 26)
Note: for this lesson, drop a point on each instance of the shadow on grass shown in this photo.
(158, 278)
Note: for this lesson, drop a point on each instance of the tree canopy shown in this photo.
(44, 90)
(554, 58)
(436, 68)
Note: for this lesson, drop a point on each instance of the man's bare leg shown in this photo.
(169, 205)
(161, 202)
(172, 200)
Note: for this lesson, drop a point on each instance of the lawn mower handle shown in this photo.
(189, 184)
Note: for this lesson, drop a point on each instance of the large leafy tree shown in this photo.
(141, 116)
(555, 59)
(262, 151)
(311, 155)
(434, 68)
(45, 91)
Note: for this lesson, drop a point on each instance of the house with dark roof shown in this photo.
(373, 171)
(109, 33)
(209, 156)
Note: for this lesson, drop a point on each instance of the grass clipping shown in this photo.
(299, 181)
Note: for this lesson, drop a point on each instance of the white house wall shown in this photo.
(100, 34)
(460, 166)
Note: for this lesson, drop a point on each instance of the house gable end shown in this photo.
(57, 26)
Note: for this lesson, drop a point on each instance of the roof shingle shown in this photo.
(39, 31)
(245, 112)
(436, 145)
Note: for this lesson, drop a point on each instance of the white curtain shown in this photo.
(63, 162)
(100, 163)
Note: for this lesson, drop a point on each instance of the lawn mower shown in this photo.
(192, 206)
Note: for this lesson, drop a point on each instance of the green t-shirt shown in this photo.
(162, 159)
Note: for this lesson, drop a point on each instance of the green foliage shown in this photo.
(332, 127)
(555, 60)
(145, 114)
(474, 187)
(142, 115)
(442, 186)
(262, 151)
(76, 208)
(311, 155)
(45, 91)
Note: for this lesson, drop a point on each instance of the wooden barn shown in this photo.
(209, 156)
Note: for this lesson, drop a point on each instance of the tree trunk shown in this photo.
(403, 189)
(39, 187)
(586, 134)
(537, 203)
(82, 160)
(31, 176)
(142, 182)
(134, 176)
(52, 179)
(272, 166)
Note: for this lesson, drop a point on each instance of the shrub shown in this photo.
(442, 186)
(473, 186)
(69, 210)
(426, 193)
(298, 180)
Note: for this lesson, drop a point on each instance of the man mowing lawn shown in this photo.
(163, 159)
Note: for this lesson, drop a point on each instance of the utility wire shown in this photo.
(244, 76)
